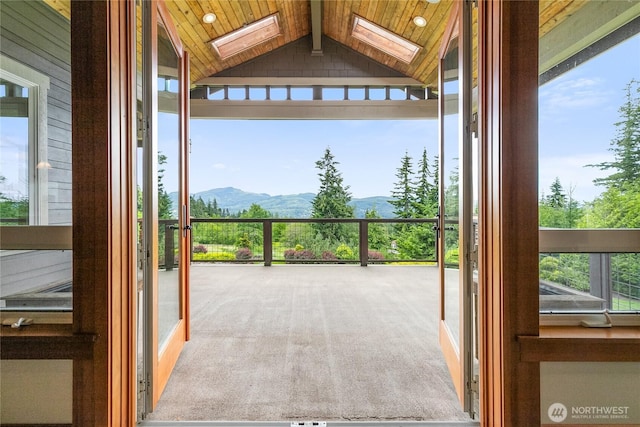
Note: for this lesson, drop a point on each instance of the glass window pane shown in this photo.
(35, 157)
(589, 166)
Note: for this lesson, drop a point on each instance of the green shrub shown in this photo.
(214, 256)
(451, 256)
(344, 252)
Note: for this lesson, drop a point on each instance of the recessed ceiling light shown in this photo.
(419, 21)
(433, 1)
(209, 18)
(384, 40)
(247, 37)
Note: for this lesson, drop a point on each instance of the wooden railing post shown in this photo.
(364, 242)
(267, 242)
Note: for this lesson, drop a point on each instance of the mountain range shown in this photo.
(285, 206)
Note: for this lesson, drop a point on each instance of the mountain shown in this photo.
(285, 206)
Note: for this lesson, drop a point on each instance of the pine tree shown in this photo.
(557, 198)
(403, 196)
(425, 205)
(332, 200)
(165, 206)
(626, 145)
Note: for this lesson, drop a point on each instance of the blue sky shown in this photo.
(278, 157)
(577, 115)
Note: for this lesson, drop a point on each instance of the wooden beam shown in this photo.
(316, 27)
(308, 81)
(329, 110)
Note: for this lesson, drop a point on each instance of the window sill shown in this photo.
(577, 343)
(41, 341)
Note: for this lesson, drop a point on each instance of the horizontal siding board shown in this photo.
(59, 155)
(23, 18)
(60, 125)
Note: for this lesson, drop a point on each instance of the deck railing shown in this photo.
(304, 240)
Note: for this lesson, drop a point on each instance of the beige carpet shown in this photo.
(301, 342)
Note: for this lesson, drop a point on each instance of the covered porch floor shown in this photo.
(312, 342)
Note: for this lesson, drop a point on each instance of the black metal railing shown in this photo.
(305, 240)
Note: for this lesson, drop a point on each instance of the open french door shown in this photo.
(456, 237)
(164, 234)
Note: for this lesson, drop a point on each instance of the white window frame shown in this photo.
(38, 85)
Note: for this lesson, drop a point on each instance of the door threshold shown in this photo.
(337, 423)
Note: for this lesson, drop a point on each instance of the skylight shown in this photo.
(247, 37)
(384, 40)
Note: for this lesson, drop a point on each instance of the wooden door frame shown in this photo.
(508, 210)
(104, 206)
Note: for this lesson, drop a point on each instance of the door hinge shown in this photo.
(473, 256)
(475, 384)
(473, 126)
(143, 386)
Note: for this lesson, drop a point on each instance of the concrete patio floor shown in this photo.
(311, 342)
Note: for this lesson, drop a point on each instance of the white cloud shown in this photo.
(571, 94)
(219, 166)
(573, 173)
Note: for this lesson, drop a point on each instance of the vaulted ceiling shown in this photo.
(330, 18)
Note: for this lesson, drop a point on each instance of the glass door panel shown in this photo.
(450, 202)
(456, 204)
(164, 216)
(168, 125)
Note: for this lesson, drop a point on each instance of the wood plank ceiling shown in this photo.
(337, 19)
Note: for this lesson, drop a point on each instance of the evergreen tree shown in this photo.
(557, 210)
(403, 195)
(426, 205)
(626, 145)
(434, 195)
(332, 199)
(164, 201)
(256, 211)
(378, 234)
(557, 198)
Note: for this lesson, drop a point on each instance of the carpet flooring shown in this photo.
(302, 342)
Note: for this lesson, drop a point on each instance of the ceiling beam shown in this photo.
(316, 27)
(314, 110)
(592, 22)
(308, 81)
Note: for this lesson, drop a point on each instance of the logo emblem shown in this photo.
(557, 412)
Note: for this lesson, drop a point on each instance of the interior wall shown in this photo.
(36, 391)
